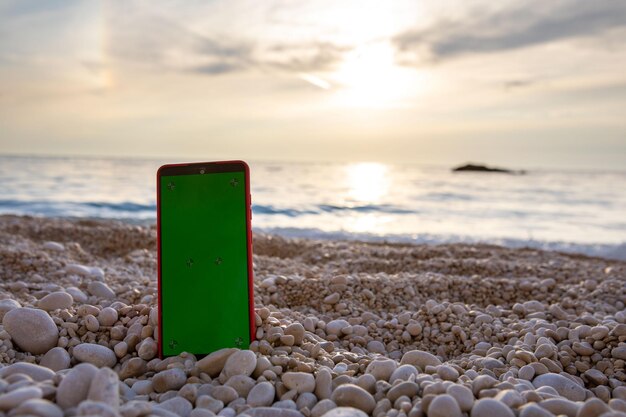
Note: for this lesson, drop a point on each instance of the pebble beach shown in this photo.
(344, 329)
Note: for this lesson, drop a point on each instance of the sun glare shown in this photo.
(369, 77)
(367, 181)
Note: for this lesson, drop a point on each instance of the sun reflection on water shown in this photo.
(367, 182)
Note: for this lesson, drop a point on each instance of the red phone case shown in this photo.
(248, 238)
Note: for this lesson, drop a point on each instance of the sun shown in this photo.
(370, 77)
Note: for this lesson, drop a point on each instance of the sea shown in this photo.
(564, 210)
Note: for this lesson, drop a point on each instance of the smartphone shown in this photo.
(206, 299)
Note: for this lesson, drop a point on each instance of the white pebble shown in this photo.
(31, 329)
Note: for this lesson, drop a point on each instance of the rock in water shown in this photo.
(31, 329)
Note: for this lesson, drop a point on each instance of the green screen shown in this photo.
(204, 269)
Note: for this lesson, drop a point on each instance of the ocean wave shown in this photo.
(603, 250)
(329, 208)
(76, 208)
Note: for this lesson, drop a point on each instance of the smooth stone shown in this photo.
(488, 407)
(177, 405)
(36, 372)
(510, 397)
(242, 384)
(143, 387)
(213, 364)
(77, 269)
(596, 377)
(56, 359)
(351, 395)
(100, 290)
(201, 412)
(224, 393)
(544, 351)
(323, 407)
(136, 408)
(300, 381)
(77, 294)
(7, 305)
(406, 388)
(593, 407)
(375, 346)
(14, 398)
(533, 410)
(335, 327)
(210, 403)
(75, 385)
(38, 407)
(147, 349)
(93, 408)
(462, 395)
(323, 384)
(271, 412)
(91, 323)
(132, 368)
(344, 412)
(54, 246)
(482, 382)
(170, 379)
(297, 331)
(447, 373)
(241, 362)
(563, 385)
(31, 329)
(55, 301)
(619, 352)
(261, 395)
(560, 406)
(306, 400)
(107, 316)
(403, 372)
(105, 388)
(526, 373)
(381, 368)
(444, 406)
(95, 354)
(420, 359)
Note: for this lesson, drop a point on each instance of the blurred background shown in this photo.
(351, 114)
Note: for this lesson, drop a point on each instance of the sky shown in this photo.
(515, 83)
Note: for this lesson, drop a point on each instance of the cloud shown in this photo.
(159, 41)
(303, 56)
(529, 23)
